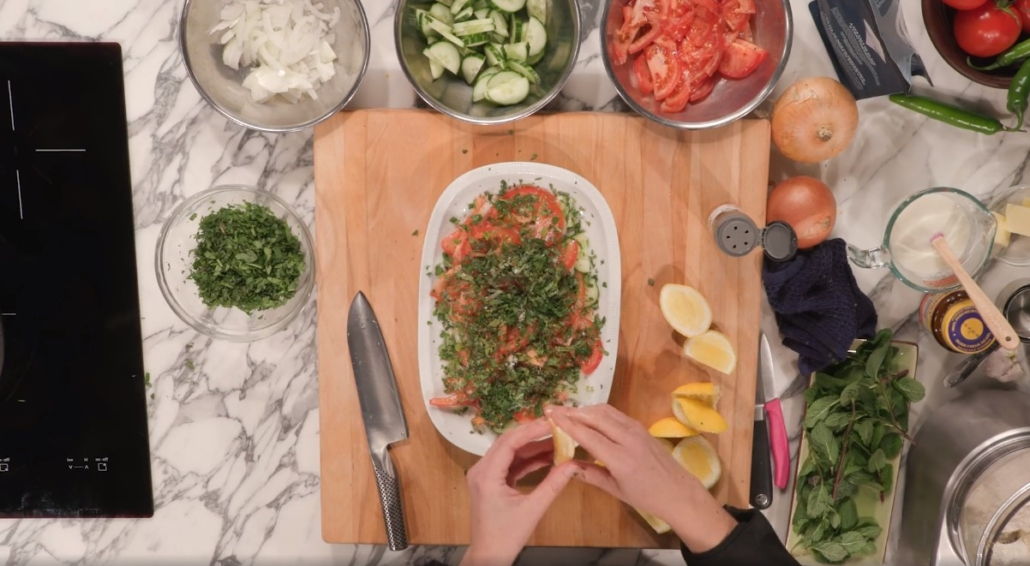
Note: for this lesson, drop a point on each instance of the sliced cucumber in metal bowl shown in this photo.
(487, 61)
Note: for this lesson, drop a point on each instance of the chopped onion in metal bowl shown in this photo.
(285, 43)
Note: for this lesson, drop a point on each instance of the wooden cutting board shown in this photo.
(378, 174)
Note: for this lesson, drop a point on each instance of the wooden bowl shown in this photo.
(938, 20)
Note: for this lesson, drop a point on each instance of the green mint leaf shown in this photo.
(874, 364)
(824, 443)
(910, 388)
(891, 445)
(877, 460)
(830, 551)
(869, 529)
(853, 542)
(848, 513)
(819, 410)
(864, 430)
(838, 420)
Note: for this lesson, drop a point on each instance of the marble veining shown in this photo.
(234, 427)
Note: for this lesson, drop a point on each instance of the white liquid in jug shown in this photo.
(923, 218)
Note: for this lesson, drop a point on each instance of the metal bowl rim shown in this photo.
(367, 52)
(727, 119)
(398, 21)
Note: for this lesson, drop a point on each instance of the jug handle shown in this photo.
(869, 259)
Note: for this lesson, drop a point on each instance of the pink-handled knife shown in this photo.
(774, 415)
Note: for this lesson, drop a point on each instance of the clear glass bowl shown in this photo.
(174, 259)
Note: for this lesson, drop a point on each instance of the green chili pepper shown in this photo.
(1019, 93)
(1013, 55)
(949, 114)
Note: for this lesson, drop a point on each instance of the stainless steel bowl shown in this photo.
(223, 88)
(731, 99)
(450, 94)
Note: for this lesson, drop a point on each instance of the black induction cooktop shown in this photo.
(73, 418)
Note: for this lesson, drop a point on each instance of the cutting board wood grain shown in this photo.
(378, 174)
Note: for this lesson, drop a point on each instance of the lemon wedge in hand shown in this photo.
(685, 309)
(564, 445)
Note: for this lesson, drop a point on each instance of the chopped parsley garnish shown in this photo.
(247, 258)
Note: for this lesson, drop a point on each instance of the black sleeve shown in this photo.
(752, 542)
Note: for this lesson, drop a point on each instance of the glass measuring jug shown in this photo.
(966, 224)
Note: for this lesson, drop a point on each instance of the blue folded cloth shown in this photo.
(819, 307)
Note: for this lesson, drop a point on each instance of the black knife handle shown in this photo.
(393, 513)
(761, 468)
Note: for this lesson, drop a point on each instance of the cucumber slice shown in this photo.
(472, 27)
(524, 70)
(536, 37)
(465, 14)
(500, 23)
(509, 5)
(475, 40)
(442, 13)
(444, 54)
(479, 89)
(458, 5)
(482, 13)
(494, 54)
(445, 31)
(480, 5)
(423, 17)
(516, 51)
(435, 69)
(537, 9)
(517, 29)
(444, 2)
(507, 88)
(471, 66)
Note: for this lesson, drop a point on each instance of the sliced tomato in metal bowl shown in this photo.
(665, 70)
(741, 59)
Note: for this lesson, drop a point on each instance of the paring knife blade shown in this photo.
(380, 410)
(778, 441)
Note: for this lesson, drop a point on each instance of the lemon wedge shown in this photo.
(564, 445)
(712, 349)
(685, 309)
(698, 416)
(670, 427)
(699, 458)
(704, 391)
(659, 526)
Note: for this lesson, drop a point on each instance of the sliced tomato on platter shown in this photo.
(596, 355)
(643, 76)
(485, 231)
(570, 254)
(741, 59)
(456, 244)
(547, 219)
(665, 70)
(452, 401)
(524, 416)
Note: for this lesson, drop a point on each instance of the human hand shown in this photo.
(503, 518)
(640, 471)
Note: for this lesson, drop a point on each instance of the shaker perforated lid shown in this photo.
(737, 234)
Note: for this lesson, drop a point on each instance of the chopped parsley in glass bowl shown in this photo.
(235, 263)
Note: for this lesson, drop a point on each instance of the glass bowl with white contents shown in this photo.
(297, 62)
(176, 265)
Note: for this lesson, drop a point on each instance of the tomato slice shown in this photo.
(497, 235)
(643, 75)
(737, 14)
(590, 364)
(452, 401)
(570, 254)
(702, 90)
(679, 98)
(645, 39)
(456, 244)
(665, 70)
(547, 220)
(741, 59)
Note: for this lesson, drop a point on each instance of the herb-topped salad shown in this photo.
(516, 294)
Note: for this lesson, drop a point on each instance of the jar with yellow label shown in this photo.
(955, 322)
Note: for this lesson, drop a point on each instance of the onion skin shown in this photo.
(814, 120)
(808, 205)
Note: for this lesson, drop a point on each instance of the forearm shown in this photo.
(698, 519)
(480, 556)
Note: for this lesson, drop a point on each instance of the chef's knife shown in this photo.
(774, 415)
(380, 409)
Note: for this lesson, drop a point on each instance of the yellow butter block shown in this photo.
(1018, 219)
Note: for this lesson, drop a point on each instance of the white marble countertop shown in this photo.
(234, 427)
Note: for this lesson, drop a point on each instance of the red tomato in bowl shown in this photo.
(964, 4)
(988, 30)
(1022, 7)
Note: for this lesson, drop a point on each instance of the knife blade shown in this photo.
(381, 411)
(774, 415)
(761, 467)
